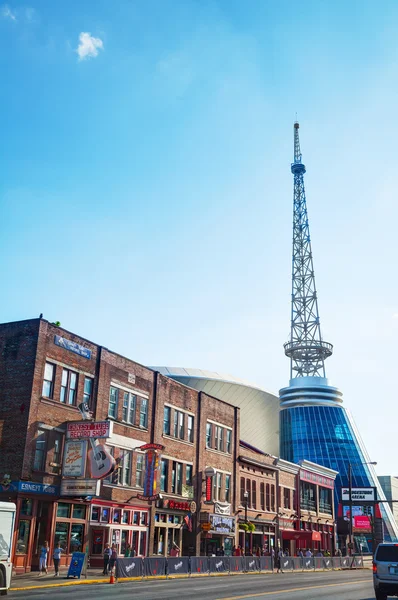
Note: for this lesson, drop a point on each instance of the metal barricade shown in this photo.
(154, 566)
(219, 564)
(177, 566)
(199, 565)
(252, 563)
(266, 563)
(129, 567)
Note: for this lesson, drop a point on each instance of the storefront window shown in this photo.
(97, 541)
(79, 511)
(136, 519)
(125, 517)
(105, 515)
(26, 507)
(95, 513)
(143, 543)
(61, 535)
(124, 541)
(143, 518)
(76, 538)
(116, 515)
(23, 537)
(63, 510)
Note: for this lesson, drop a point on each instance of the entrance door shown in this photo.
(41, 531)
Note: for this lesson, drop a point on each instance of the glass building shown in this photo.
(315, 426)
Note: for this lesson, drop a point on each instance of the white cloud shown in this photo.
(395, 316)
(88, 46)
(7, 13)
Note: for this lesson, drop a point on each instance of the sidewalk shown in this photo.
(33, 580)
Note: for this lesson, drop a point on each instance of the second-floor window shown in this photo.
(68, 387)
(48, 381)
(129, 406)
(219, 484)
(208, 435)
(179, 424)
(254, 494)
(144, 413)
(221, 439)
(56, 467)
(190, 428)
(166, 420)
(138, 470)
(176, 478)
(164, 473)
(39, 461)
(286, 498)
(126, 468)
(188, 475)
(113, 401)
(229, 436)
(88, 390)
(262, 496)
(227, 488)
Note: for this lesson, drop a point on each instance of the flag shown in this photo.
(188, 521)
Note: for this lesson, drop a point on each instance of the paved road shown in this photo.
(345, 585)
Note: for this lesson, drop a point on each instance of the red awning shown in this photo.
(308, 536)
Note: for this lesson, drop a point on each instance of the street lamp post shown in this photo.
(246, 500)
(350, 465)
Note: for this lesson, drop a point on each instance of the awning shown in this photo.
(308, 536)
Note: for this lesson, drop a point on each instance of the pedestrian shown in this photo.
(258, 551)
(44, 550)
(278, 560)
(233, 550)
(300, 554)
(56, 558)
(107, 556)
(127, 552)
(338, 552)
(113, 558)
(319, 554)
(286, 552)
(308, 553)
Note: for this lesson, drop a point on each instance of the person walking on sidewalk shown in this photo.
(113, 558)
(44, 550)
(56, 558)
(107, 556)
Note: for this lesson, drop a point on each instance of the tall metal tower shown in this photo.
(306, 349)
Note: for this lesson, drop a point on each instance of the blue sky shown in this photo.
(146, 194)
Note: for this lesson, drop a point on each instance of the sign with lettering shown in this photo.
(38, 488)
(80, 487)
(74, 458)
(359, 494)
(86, 429)
(317, 479)
(72, 346)
(77, 564)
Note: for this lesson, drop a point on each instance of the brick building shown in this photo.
(45, 373)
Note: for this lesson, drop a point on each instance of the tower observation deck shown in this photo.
(314, 424)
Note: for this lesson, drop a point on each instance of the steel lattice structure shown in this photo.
(306, 349)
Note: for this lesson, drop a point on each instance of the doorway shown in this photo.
(42, 531)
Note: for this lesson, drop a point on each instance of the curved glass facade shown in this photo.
(326, 435)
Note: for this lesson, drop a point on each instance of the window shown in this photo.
(175, 423)
(79, 511)
(105, 515)
(286, 498)
(190, 428)
(176, 478)
(272, 498)
(76, 538)
(268, 498)
(125, 517)
(63, 510)
(39, 462)
(113, 400)
(242, 490)
(216, 428)
(144, 413)
(129, 405)
(88, 390)
(219, 483)
(56, 467)
(262, 496)
(229, 436)
(126, 468)
(23, 537)
(181, 426)
(164, 473)
(166, 420)
(95, 513)
(48, 381)
(325, 500)
(227, 488)
(138, 470)
(221, 439)
(254, 494)
(188, 475)
(208, 435)
(68, 387)
(248, 490)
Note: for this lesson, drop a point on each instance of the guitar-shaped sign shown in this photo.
(101, 461)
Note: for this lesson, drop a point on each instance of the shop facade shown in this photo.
(171, 519)
(217, 532)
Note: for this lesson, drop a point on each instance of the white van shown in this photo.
(7, 522)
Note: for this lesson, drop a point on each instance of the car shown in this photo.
(385, 571)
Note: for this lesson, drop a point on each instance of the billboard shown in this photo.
(359, 494)
(74, 458)
(361, 518)
(80, 487)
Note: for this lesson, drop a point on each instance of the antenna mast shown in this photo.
(306, 349)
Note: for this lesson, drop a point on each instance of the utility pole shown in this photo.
(350, 544)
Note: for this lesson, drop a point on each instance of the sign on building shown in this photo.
(72, 346)
(221, 524)
(359, 494)
(74, 458)
(80, 487)
(88, 429)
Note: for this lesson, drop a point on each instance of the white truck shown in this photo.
(7, 522)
